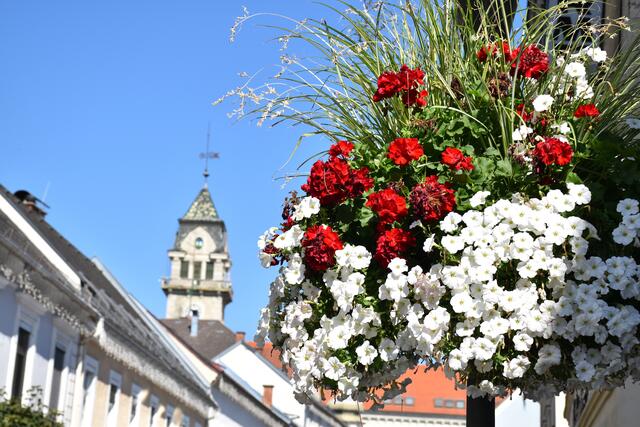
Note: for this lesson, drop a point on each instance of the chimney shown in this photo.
(194, 323)
(240, 336)
(31, 203)
(267, 395)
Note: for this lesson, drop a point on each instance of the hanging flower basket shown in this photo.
(477, 209)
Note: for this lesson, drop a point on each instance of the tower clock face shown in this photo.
(199, 243)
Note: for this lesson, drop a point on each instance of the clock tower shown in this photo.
(199, 285)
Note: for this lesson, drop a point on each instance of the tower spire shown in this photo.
(208, 155)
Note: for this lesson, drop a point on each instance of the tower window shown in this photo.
(199, 243)
(184, 269)
(209, 270)
(197, 268)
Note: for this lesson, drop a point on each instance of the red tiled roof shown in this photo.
(429, 392)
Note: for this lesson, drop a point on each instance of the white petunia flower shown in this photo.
(457, 360)
(428, 243)
(308, 207)
(333, 368)
(585, 371)
(388, 350)
(623, 235)
(289, 239)
(339, 337)
(266, 237)
(398, 266)
(596, 54)
(627, 207)
(580, 194)
(583, 89)
(516, 367)
(562, 128)
(575, 70)
(479, 199)
(484, 349)
(542, 102)
(366, 353)
(522, 342)
(521, 133)
(452, 244)
(450, 222)
(461, 302)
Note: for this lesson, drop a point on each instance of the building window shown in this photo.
(154, 403)
(184, 269)
(56, 380)
(409, 401)
(168, 416)
(24, 336)
(460, 404)
(135, 394)
(115, 382)
(197, 267)
(209, 275)
(88, 390)
(438, 403)
(449, 403)
(186, 421)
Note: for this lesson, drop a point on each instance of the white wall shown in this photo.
(231, 414)
(517, 411)
(7, 318)
(257, 372)
(16, 309)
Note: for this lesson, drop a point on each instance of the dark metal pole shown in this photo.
(481, 412)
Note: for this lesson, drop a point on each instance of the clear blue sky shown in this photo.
(106, 105)
(103, 110)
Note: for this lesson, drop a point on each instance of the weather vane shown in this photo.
(208, 155)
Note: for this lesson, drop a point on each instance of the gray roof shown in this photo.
(120, 316)
(212, 339)
(202, 208)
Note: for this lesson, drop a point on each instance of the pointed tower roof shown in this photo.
(202, 208)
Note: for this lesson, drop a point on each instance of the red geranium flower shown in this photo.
(454, 158)
(533, 62)
(431, 200)
(553, 151)
(388, 85)
(586, 110)
(328, 181)
(404, 150)
(493, 50)
(410, 78)
(413, 98)
(320, 244)
(341, 148)
(360, 182)
(333, 181)
(392, 244)
(389, 205)
(521, 110)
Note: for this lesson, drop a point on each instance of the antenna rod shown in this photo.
(206, 158)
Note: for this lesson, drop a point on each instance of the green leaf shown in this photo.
(573, 178)
(504, 168)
